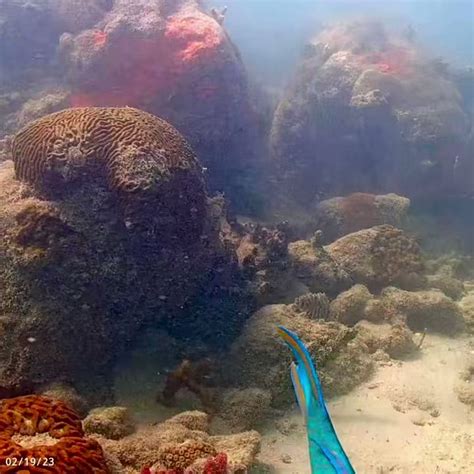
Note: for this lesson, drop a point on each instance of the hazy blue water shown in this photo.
(271, 33)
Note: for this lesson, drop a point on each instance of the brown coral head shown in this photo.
(142, 160)
(48, 431)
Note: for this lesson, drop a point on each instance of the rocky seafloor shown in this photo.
(138, 310)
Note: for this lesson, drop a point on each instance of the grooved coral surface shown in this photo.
(33, 414)
(142, 159)
(50, 433)
(74, 138)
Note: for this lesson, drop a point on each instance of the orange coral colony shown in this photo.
(38, 435)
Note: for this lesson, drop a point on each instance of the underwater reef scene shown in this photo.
(163, 211)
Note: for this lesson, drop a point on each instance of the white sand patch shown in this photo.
(407, 419)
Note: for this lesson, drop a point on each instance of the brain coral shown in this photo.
(48, 431)
(137, 155)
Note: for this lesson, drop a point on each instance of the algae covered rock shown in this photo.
(349, 307)
(379, 257)
(429, 309)
(395, 340)
(259, 359)
(244, 409)
(317, 269)
(450, 286)
(109, 422)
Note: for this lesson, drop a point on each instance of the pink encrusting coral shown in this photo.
(216, 465)
(176, 62)
(196, 36)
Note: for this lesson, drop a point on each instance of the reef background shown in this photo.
(177, 179)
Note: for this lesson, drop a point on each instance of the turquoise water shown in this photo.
(271, 33)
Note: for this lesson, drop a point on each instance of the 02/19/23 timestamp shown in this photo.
(29, 461)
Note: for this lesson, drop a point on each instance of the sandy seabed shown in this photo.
(406, 419)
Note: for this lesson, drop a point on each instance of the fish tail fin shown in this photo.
(325, 448)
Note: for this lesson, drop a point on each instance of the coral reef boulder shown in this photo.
(141, 157)
(313, 266)
(395, 340)
(243, 409)
(340, 216)
(259, 359)
(379, 257)
(349, 306)
(181, 65)
(104, 224)
(423, 310)
(109, 422)
(367, 110)
(40, 428)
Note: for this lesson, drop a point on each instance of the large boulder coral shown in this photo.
(379, 257)
(181, 65)
(104, 224)
(339, 216)
(259, 359)
(367, 110)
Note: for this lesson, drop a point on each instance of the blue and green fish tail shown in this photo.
(325, 450)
